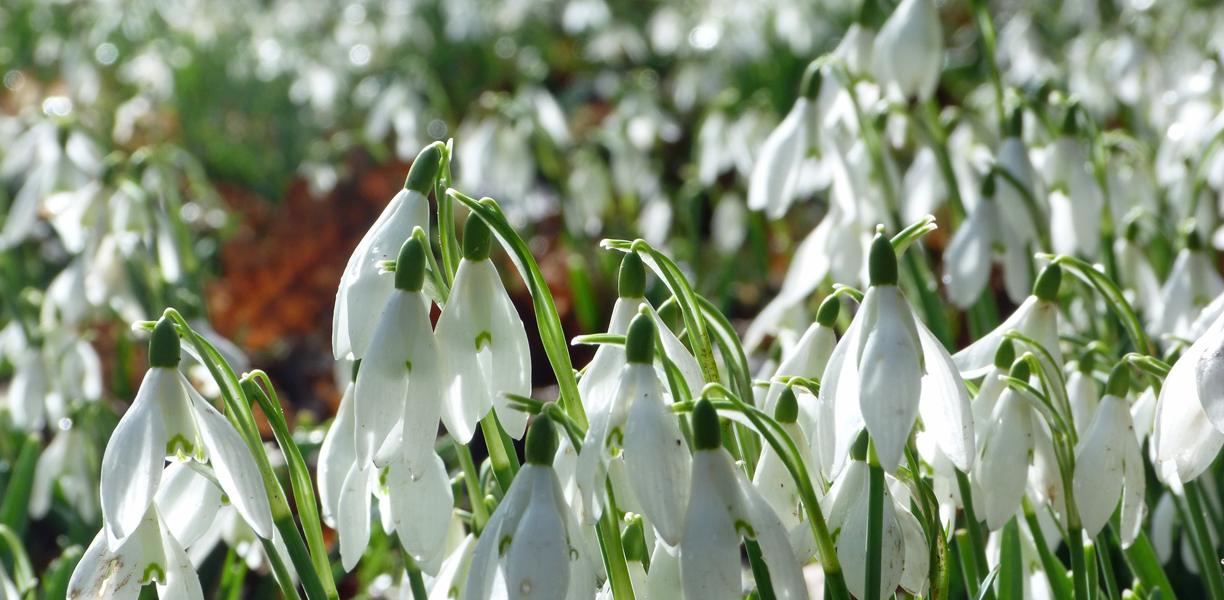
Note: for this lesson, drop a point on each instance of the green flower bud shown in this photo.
(1021, 370)
(882, 261)
(1087, 362)
(1005, 355)
(424, 169)
(1119, 381)
(164, 348)
(1132, 230)
(1070, 126)
(1194, 242)
(858, 450)
(826, 315)
(1013, 126)
(632, 283)
(634, 541)
(1047, 284)
(787, 409)
(541, 444)
(640, 341)
(707, 431)
(988, 185)
(812, 80)
(477, 241)
(410, 266)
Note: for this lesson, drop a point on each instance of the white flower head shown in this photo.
(482, 343)
(1036, 318)
(169, 418)
(639, 423)
(150, 555)
(886, 369)
(723, 506)
(1004, 452)
(397, 395)
(1109, 464)
(908, 53)
(532, 546)
(776, 174)
(1185, 437)
(362, 290)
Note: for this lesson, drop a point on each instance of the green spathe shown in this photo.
(639, 342)
(882, 261)
(787, 408)
(1005, 355)
(424, 169)
(1047, 284)
(707, 432)
(1119, 381)
(827, 314)
(164, 348)
(632, 283)
(1021, 371)
(476, 239)
(541, 444)
(410, 266)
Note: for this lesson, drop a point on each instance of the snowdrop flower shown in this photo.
(1036, 318)
(1076, 200)
(532, 544)
(451, 581)
(363, 291)
(27, 394)
(1185, 435)
(722, 506)
(69, 461)
(908, 53)
(639, 424)
(969, 256)
(1004, 454)
(1020, 237)
(397, 395)
(1191, 286)
(808, 359)
(150, 555)
(778, 487)
(168, 418)
(338, 453)
(904, 558)
(1135, 273)
(775, 175)
(886, 369)
(1109, 464)
(482, 343)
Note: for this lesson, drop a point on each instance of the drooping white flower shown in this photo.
(1076, 200)
(1004, 453)
(168, 418)
(532, 546)
(150, 555)
(638, 423)
(1082, 394)
(482, 344)
(775, 175)
(886, 369)
(1135, 273)
(908, 53)
(1036, 318)
(778, 487)
(397, 394)
(1184, 437)
(26, 399)
(1192, 284)
(1020, 233)
(1109, 465)
(71, 463)
(363, 292)
(723, 505)
(970, 254)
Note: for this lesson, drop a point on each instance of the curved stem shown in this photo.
(875, 525)
(1209, 562)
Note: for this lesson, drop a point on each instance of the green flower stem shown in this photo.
(1054, 569)
(1209, 562)
(415, 581)
(987, 30)
(1079, 567)
(875, 525)
(238, 411)
(792, 459)
(871, 139)
(435, 276)
(55, 579)
(551, 335)
(299, 473)
(1105, 556)
(1094, 578)
(1030, 203)
(1143, 562)
(760, 571)
(233, 577)
(609, 535)
(23, 573)
(974, 527)
(14, 511)
(969, 570)
(281, 572)
(938, 139)
(1113, 296)
(1011, 564)
(501, 454)
(471, 478)
(446, 218)
(732, 352)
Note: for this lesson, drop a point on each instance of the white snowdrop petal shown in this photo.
(133, 459)
(977, 358)
(538, 558)
(915, 570)
(233, 464)
(421, 509)
(353, 522)
(772, 536)
(1098, 476)
(1185, 440)
(852, 547)
(710, 556)
(840, 417)
(663, 580)
(336, 457)
(1209, 378)
(1003, 463)
(511, 355)
(466, 394)
(776, 173)
(500, 530)
(107, 575)
(944, 402)
(657, 458)
(188, 502)
(181, 582)
(890, 372)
